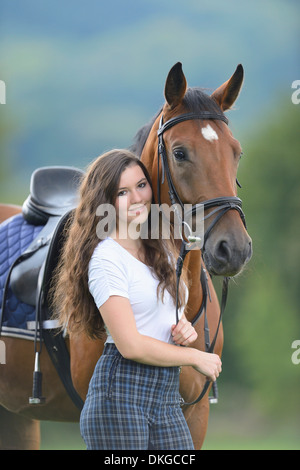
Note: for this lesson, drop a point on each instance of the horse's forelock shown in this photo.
(196, 100)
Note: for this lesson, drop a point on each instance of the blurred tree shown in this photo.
(5, 130)
(263, 318)
(272, 175)
(12, 186)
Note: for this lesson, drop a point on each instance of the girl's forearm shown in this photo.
(151, 351)
(147, 350)
(120, 321)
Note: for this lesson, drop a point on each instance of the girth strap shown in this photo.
(34, 247)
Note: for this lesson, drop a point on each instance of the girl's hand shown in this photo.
(209, 365)
(183, 333)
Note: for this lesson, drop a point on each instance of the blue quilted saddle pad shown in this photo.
(15, 236)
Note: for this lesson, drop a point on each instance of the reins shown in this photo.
(221, 206)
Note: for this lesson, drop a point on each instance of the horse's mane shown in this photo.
(195, 100)
(142, 135)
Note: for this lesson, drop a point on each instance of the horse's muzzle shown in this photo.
(228, 255)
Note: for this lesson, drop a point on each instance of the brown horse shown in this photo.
(202, 159)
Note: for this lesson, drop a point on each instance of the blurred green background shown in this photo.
(83, 76)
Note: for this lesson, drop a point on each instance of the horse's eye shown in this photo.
(179, 155)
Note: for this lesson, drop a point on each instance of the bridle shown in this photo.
(220, 206)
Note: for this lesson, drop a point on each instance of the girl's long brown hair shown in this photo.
(71, 300)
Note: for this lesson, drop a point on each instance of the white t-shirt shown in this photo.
(114, 271)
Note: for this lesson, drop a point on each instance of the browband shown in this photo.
(189, 116)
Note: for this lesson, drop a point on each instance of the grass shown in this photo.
(236, 423)
(258, 442)
(66, 436)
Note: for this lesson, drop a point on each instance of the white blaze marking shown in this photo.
(209, 134)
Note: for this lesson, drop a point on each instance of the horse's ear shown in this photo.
(227, 93)
(176, 85)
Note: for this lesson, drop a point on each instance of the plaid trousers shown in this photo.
(133, 406)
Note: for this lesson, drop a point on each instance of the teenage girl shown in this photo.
(123, 286)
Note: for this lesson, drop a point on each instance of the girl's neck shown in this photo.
(134, 246)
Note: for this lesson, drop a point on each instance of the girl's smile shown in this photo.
(137, 210)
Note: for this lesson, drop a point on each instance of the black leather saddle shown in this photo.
(53, 191)
(53, 194)
(51, 202)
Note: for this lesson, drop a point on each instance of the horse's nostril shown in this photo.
(223, 252)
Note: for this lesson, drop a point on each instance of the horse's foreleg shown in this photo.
(17, 432)
(197, 420)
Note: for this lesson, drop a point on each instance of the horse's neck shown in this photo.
(193, 262)
(149, 152)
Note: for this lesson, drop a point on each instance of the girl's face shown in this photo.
(134, 197)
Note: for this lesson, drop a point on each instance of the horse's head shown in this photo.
(202, 157)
